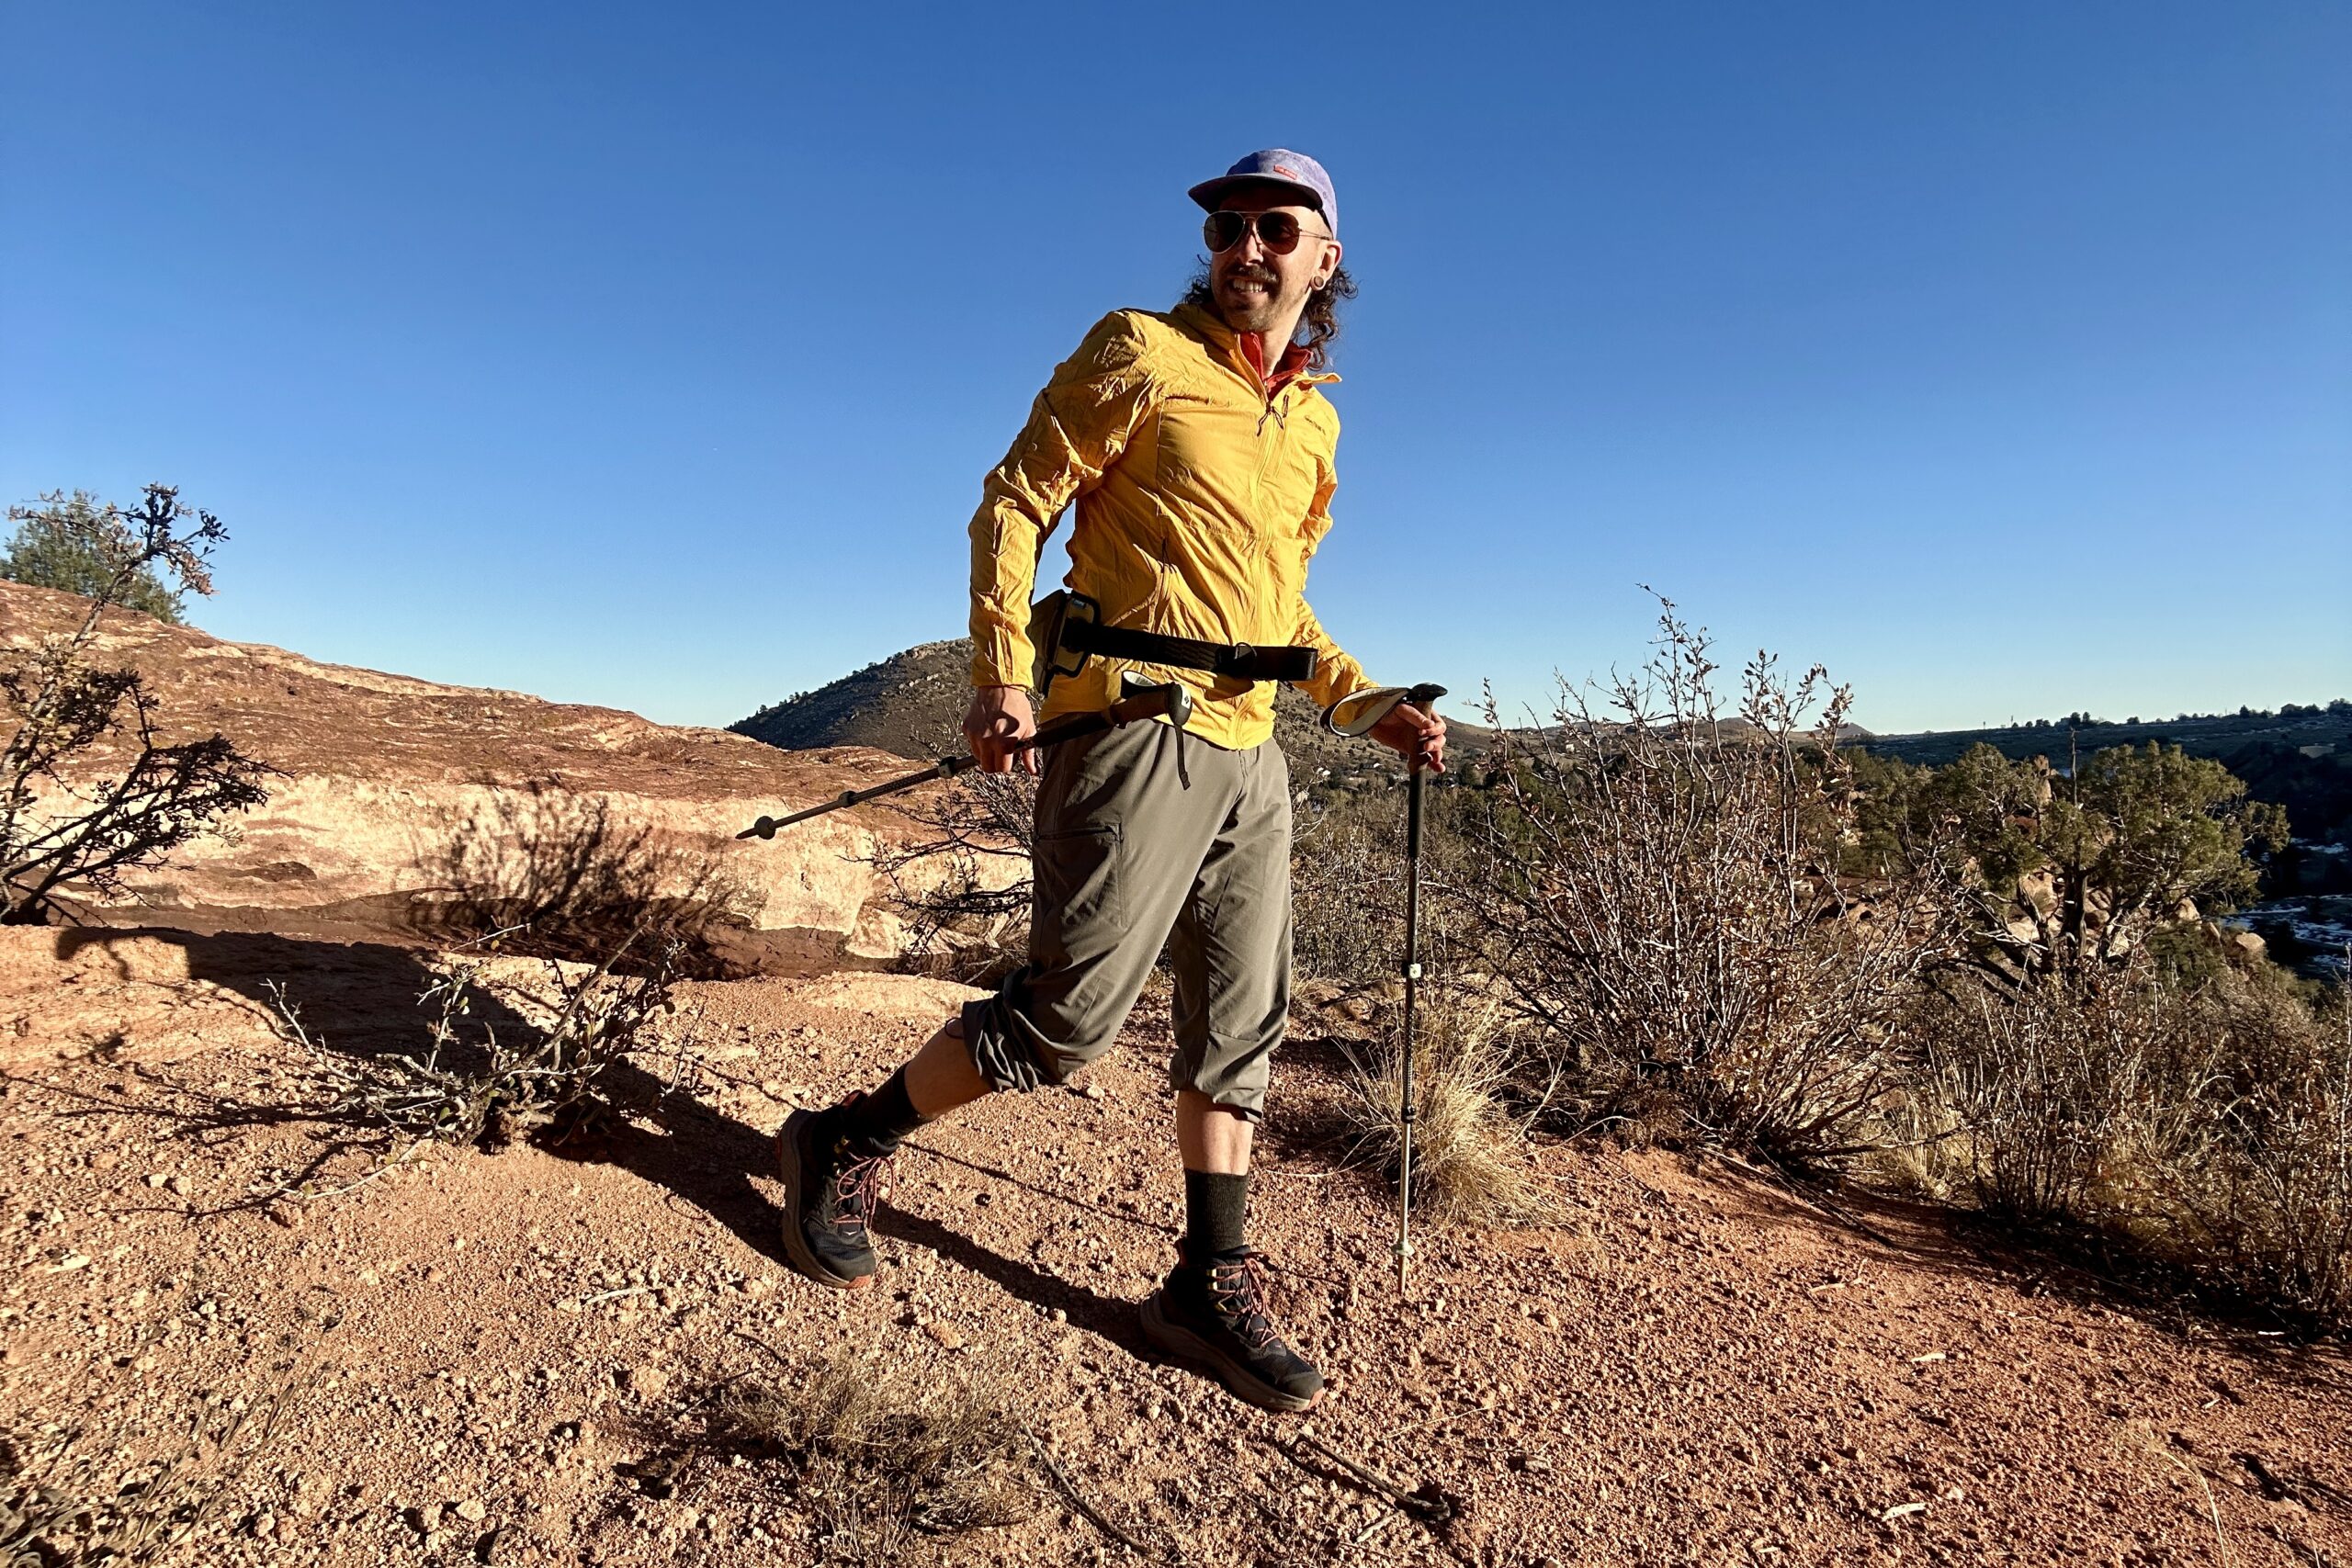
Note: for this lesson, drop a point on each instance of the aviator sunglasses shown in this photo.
(1278, 231)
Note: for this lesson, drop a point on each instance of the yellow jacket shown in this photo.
(1200, 501)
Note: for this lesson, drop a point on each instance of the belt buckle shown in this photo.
(1243, 656)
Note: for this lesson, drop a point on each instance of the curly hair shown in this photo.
(1321, 317)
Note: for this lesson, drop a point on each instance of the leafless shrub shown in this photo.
(562, 876)
(1347, 902)
(2209, 1128)
(1470, 1158)
(2286, 1192)
(1657, 897)
(962, 885)
(83, 834)
(2069, 1091)
(875, 1444)
(506, 1059)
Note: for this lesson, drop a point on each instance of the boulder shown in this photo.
(2038, 891)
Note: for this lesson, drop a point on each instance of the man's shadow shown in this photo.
(361, 1000)
(707, 1158)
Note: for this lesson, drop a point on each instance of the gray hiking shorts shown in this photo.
(1128, 860)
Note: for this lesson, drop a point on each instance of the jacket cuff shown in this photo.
(1002, 658)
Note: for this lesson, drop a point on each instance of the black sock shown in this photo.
(873, 1123)
(1217, 1206)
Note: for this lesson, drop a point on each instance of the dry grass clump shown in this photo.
(66, 1501)
(1470, 1157)
(875, 1444)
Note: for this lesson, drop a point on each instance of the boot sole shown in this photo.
(1238, 1380)
(796, 1246)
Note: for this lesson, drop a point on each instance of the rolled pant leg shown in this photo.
(1119, 843)
(1231, 947)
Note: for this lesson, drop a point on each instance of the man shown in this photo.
(1198, 446)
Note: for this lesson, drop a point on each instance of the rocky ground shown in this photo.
(514, 1358)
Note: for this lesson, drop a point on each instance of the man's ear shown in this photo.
(1331, 253)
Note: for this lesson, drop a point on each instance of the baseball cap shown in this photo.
(1282, 167)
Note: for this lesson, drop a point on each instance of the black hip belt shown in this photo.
(1241, 661)
(1067, 630)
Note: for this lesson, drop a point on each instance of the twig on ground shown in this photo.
(615, 1295)
(1087, 1510)
(1424, 1503)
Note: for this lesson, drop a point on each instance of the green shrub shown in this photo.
(77, 546)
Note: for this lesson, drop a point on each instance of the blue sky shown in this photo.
(1999, 357)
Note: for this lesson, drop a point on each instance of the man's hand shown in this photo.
(1413, 735)
(999, 716)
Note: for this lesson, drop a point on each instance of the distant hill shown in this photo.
(2301, 761)
(2213, 735)
(912, 704)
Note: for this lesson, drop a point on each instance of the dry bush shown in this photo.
(2066, 1093)
(505, 1058)
(2278, 1202)
(963, 885)
(2209, 1128)
(558, 875)
(1345, 886)
(875, 1444)
(1347, 878)
(80, 834)
(1470, 1157)
(1657, 894)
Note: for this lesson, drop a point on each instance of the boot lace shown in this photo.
(1238, 1291)
(857, 1188)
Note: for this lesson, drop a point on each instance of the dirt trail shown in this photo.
(497, 1358)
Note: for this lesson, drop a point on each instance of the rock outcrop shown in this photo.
(404, 810)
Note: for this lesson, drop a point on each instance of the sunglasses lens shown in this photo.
(1223, 230)
(1278, 231)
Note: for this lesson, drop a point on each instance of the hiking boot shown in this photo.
(829, 1198)
(1214, 1315)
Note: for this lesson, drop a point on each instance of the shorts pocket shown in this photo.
(1077, 885)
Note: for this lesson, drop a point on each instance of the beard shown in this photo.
(1258, 310)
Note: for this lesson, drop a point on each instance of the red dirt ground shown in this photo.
(1696, 1367)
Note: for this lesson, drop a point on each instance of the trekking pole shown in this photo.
(1414, 777)
(1140, 703)
(1356, 716)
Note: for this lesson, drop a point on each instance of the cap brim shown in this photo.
(1208, 193)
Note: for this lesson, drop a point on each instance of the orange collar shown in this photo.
(1288, 368)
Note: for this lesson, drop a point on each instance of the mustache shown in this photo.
(1253, 273)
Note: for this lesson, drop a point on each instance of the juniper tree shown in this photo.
(72, 544)
(68, 820)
